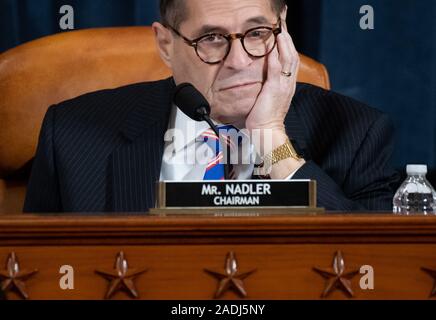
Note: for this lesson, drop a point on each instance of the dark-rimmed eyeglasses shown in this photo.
(213, 48)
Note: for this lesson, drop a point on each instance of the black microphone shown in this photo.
(196, 107)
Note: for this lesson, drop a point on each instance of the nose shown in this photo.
(237, 58)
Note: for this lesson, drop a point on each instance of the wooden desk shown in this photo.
(176, 251)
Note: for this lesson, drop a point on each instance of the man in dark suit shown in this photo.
(104, 151)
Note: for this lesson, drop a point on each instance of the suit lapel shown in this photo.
(136, 163)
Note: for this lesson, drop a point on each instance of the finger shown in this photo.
(285, 54)
(288, 53)
(284, 26)
(292, 51)
(288, 37)
(283, 16)
(274, 67)
(295, 58)
(290, 42)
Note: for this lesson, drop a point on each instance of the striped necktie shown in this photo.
(215, 166)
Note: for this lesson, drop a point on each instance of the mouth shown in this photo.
(240, 86)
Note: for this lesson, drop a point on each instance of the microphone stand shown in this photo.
(205, 115)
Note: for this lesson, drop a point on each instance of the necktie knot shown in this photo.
(215, 167)
(228, 133)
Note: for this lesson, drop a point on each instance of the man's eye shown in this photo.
(212, 39)
(258, 34)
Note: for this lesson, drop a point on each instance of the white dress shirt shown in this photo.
(186, 156)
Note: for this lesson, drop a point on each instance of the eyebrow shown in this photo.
(260, 20)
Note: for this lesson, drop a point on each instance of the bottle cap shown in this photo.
(416, 169)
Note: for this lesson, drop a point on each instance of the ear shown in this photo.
(164, 42)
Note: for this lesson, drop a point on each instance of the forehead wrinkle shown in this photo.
(225, 14)
(249, 23)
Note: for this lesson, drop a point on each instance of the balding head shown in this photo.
(174, 12)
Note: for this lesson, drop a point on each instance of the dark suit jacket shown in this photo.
(102, 151)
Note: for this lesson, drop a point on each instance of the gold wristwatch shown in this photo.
(282, 152)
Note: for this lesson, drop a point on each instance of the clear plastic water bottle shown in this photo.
(415, 195)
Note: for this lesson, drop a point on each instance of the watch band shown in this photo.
(282, 152)
(285, 151)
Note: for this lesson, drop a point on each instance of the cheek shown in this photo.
(187, 67)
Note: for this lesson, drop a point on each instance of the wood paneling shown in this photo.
(283, 249)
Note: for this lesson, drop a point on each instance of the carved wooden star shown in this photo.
(13, 279)
(336, 277)
(121, 278)
(230, 279)
(432, 273)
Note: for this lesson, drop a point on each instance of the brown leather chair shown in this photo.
(52, 69)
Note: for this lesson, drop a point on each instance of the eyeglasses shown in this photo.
(213, 48)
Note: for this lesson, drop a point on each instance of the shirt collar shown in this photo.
(186, 129)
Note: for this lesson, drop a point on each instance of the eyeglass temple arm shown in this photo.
(188, 41)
